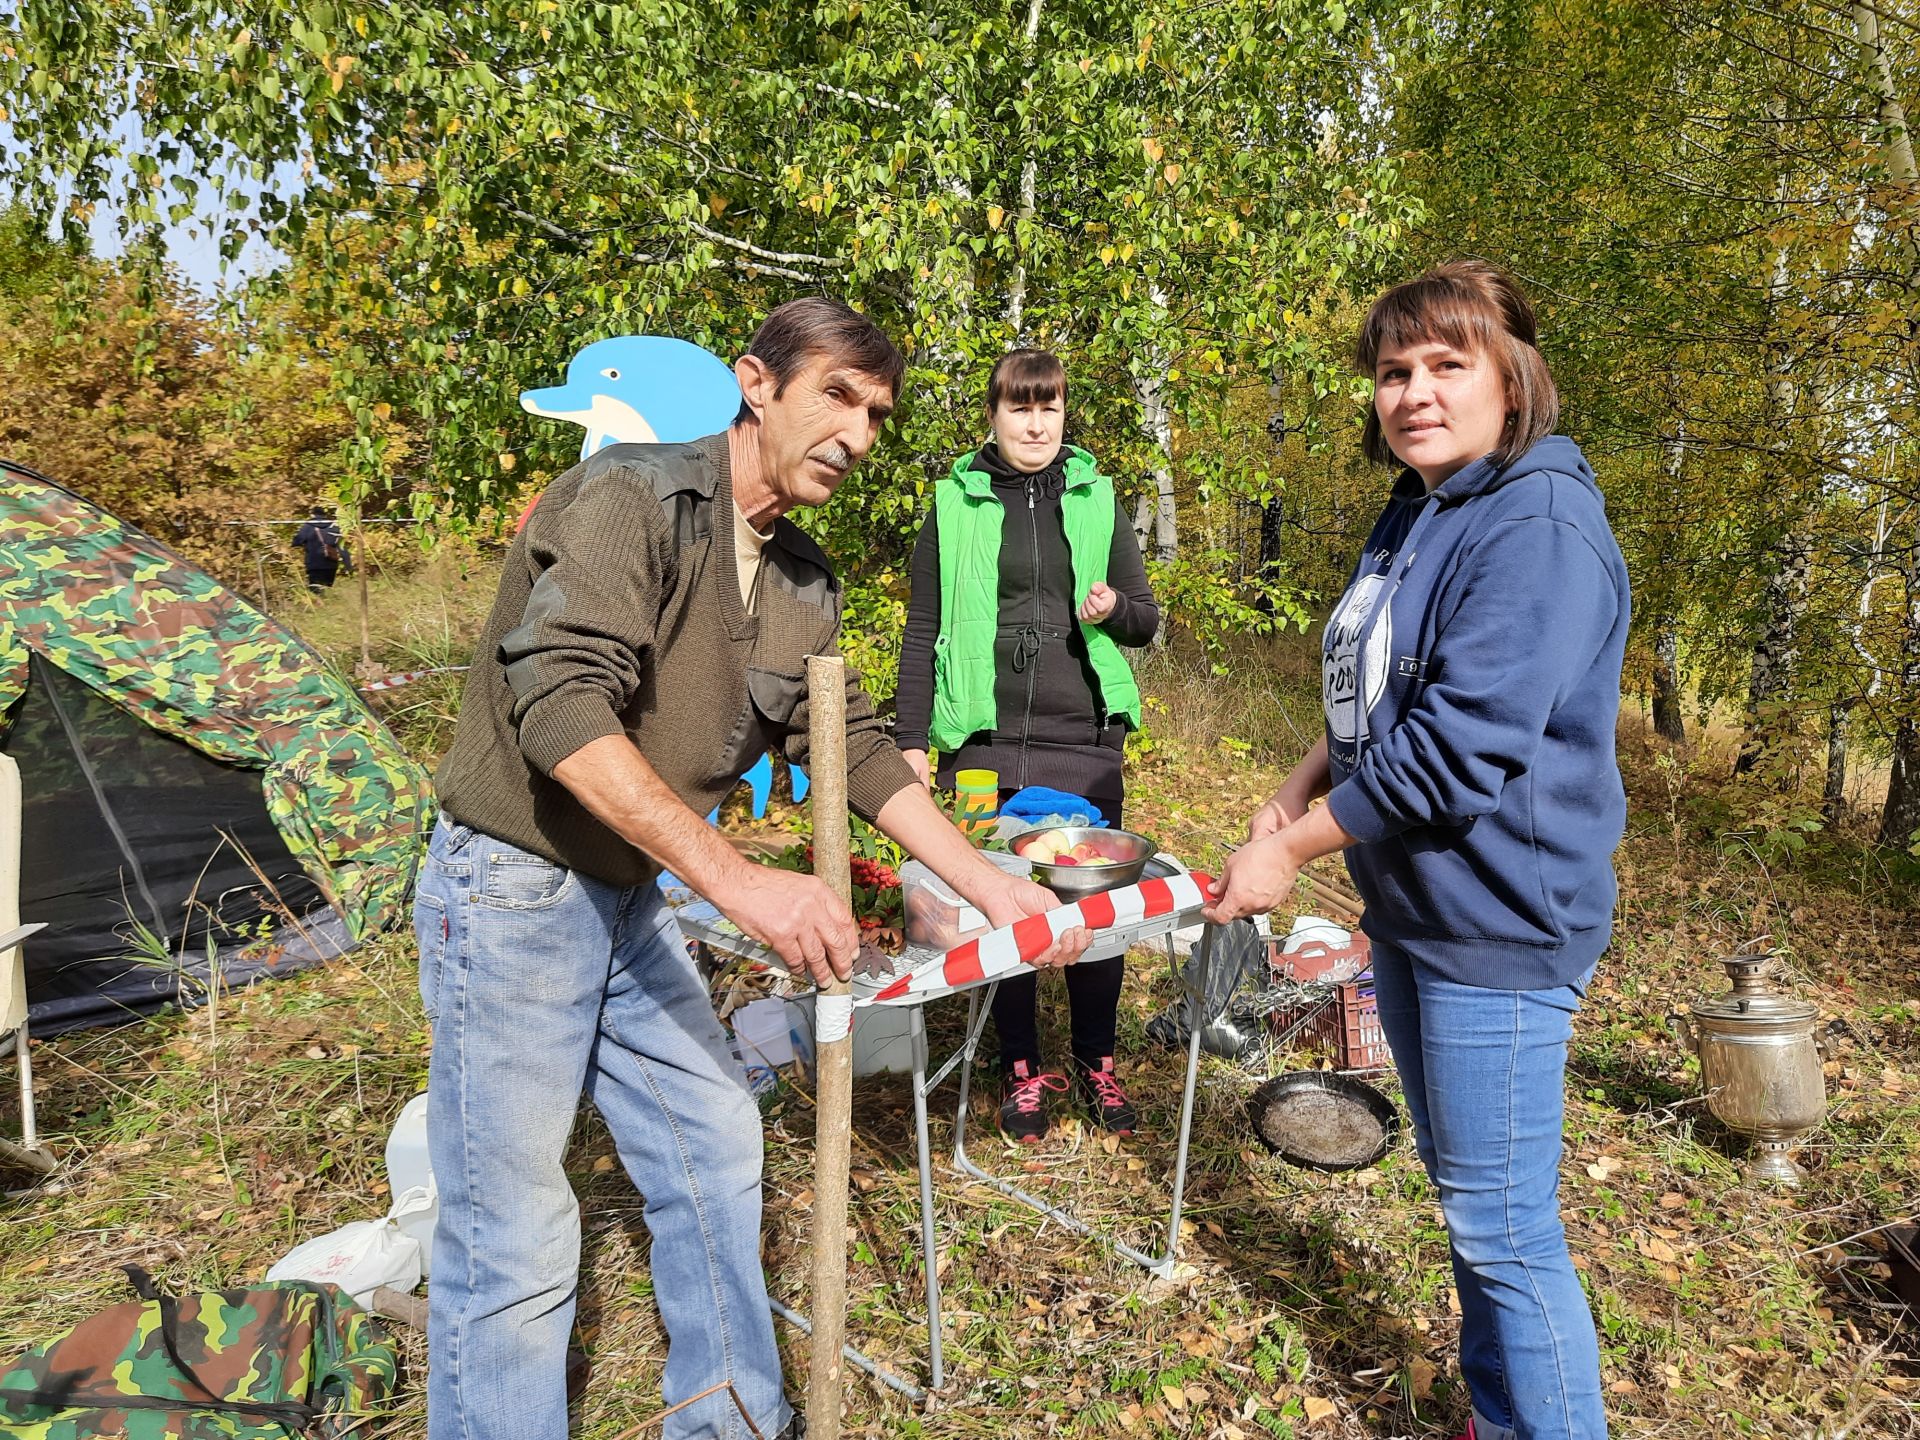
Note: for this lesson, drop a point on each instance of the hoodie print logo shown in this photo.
(1340, 655)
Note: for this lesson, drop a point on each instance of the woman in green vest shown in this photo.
(1026, 581)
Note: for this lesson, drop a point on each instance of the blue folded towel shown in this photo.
(1037, 803)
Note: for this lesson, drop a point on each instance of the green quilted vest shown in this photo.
(969, 518)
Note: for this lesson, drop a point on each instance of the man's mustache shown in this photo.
(837, 456)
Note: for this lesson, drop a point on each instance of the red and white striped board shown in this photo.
(1002, 952)
(407, 677)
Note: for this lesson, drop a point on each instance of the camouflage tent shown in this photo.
(190, 768)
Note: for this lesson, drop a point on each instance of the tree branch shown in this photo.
(794, 258)
(824, 88)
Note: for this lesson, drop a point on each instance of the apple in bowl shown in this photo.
(1080, 860)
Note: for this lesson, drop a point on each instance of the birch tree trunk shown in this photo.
(1776, 654)
(1029, 174)
(1901, 819)
(1833, 798)
(1898, 141)
(1150, 391)
(1833, 795)
(1668, 723)
(1153, 409)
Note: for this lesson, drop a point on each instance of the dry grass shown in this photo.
(1308, 1304)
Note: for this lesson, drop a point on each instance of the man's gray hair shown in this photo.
(815, 325)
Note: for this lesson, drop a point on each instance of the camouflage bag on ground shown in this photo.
(264, 1363)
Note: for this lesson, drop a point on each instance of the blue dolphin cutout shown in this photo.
(647, 390)
(760, 780)
(641, 390)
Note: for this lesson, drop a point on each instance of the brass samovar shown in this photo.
(1760, 1061)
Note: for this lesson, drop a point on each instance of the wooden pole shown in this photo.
(833, 1015)
(1328, 897)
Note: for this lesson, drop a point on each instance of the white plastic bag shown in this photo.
(410, 1167)
(363, 1256)
(1314, 930)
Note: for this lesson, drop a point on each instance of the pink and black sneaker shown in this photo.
(1099, 1090)
(1023, 1101)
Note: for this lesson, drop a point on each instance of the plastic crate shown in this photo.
(1316, 960)
(1346, 1024)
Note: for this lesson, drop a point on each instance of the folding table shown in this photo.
(702, 922)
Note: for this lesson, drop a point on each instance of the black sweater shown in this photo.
(1049, 730)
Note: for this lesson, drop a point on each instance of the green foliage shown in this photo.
(491, 187)
(1714, 209)
(1191, 587)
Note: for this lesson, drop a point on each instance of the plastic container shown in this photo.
(1346, 1024)
(938, 919)
(884, 1037)
(409, 1167)
(765, 1031)
(1308, 960)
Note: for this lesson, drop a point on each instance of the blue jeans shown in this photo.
(1485, 1073)
(543, 984)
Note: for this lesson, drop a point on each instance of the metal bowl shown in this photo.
(1129, 852)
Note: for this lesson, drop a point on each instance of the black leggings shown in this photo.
(1093, 996)
(1093, 1000)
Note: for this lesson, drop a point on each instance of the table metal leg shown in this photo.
(1198, 974)
(1161, 1265)
(929, 1254)
(978, 1008)
(29, 1123)
(854, 1357)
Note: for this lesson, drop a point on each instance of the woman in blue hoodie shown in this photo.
(1471, 681)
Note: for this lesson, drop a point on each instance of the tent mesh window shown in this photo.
(123, 823)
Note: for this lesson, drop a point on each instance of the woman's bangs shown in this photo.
(1427, 313)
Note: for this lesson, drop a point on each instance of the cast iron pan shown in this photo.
(1323, 1120)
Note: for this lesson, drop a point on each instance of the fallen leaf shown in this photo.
(1422, 1373)
(1176, 1397)
(1318, 1409)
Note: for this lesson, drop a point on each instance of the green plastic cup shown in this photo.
(977, 796)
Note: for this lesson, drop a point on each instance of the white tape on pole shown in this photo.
(832, 1018)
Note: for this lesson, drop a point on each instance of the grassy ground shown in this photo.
(203, 1146)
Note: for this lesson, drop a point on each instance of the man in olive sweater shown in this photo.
(647, 644)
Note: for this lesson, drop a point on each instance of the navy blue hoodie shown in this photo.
(1479, 776)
